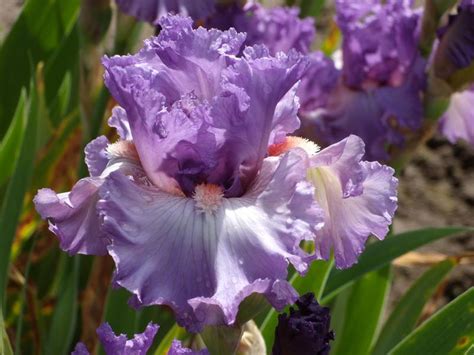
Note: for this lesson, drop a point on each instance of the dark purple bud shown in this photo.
(304, 331)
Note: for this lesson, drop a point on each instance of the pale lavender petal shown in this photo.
(73, 217)
(96, 155)
(458, 121)
(203, 262)
(359, 199)
(80, 349)
(178, 349)
(152, 10)
(119, 121)
(120, 345)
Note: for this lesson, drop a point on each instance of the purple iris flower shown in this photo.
(151, 10)
(278, 28)
(456, 46)
(305, 330)
(204, 200)
(119, 344)
(376, 94)
(458, 121)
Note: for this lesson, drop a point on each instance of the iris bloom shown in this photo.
(376, 93)
(119, 344)
(151, 10)
(458, 121)
(278, 28)
(205, 200)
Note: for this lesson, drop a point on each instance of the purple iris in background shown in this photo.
(376, 93)
(119, 344)
(151, 10)
(205, 200)
(278, 28)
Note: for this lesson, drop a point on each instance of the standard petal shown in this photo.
(168, 250)
(73, 217)
(120, 345)
(458, 121)
(359, 199)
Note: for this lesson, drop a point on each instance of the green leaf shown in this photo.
(381, 253)
(405, 315)
(15, 194)
(63, 323)
(311, 8)
(121, 317)
(5, 347)
(10, 145)
(363, 313)
(314, 281)
(449, 331)
(36, 34)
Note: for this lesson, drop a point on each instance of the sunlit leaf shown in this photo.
(381, 253)
(449, 331)
(405, 315)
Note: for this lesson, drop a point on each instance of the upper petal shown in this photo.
(351, 217)
(170, 251)
(178, 349)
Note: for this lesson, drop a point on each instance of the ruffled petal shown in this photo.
(458, 121)
(119, 121)
(96, 155)
(359, 199)
(120, 345)
(203, 262)
(152, 10)
(73, 217)
(178, 349)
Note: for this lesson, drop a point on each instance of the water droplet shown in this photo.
(241, 262)
(128, 228)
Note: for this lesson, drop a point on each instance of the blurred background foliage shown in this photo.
(52, 101)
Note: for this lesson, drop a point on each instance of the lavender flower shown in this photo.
(151, 10)
(204, 200)
(304, 331)
(278, 28)
(458, 121)
(376, 94)
(139, 345)
(204, 218)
